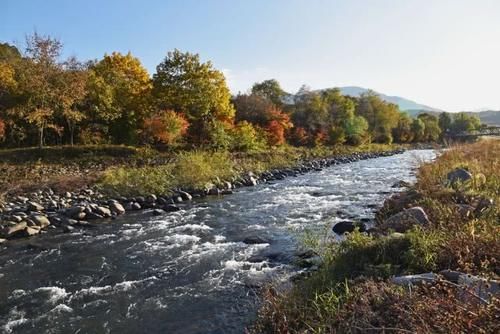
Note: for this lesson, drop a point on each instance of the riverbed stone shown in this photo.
(158, 212)
(458, 175)
(34, 206)
(40, 220)
(75, 211)
(116, 208)
(405, 220)
(171, 208)
(11, 231)
(347, 226)
(185, 195)
(255, 239)
(104, 212)
(29, 231)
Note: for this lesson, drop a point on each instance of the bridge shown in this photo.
(488, 131)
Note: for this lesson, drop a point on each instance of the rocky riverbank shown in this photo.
(27, 215)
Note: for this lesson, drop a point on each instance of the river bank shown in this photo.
(118, 190)
(430, 264)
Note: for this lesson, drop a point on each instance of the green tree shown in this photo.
(418, 130)
(402, 133)
(271, 90)
(445, 122)
(356, 130)
(463, 122)
(185, 84)
(432, 130)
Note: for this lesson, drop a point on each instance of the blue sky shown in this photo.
(443, 53)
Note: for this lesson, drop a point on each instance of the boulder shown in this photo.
(105, 212)
(40, 220)
(151, 198)
(171, 208)
(158, 212)
(116, 208)
(75, 211)
(458, 175)
(68, 228)
(29, 231)
(185, 196)
(405, 220)
(401, 184)
(251, 240)
(34, 206)
(11, 231)
(347, 226)
(418, 279)
(2, 241)
(483, 205)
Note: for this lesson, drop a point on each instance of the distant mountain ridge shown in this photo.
(404, 104)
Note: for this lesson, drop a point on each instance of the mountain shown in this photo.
(404, 104)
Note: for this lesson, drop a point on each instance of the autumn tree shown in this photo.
(36, 78)
(165, 127)
(72, 90)
(119, 95)
(185, 84)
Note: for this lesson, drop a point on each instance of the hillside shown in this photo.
(404, 104)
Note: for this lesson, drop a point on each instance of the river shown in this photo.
(188, 271)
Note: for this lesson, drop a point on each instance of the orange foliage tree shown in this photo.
(280, 122)
(166, 127)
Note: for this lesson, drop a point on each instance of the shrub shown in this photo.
(247, 138)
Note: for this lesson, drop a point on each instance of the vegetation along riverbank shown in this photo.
(64, 195)
(430, 265)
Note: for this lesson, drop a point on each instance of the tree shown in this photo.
(382, 117)
(402, 133)
(445, 122)
(356, 129)
(72, 90)
(36, 77)
(119, 95)
(9, 53)
(431, 128)
(166, 127)
(246, 137)
(271, 90)
(418, 130)
(184, 84)
(462, 122)
(253, 108)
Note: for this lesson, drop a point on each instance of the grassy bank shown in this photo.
(137, 171)
(352, 292)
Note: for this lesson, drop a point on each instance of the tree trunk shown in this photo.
(40, 138)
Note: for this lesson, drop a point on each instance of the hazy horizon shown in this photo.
(443, 54)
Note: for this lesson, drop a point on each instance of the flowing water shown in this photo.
(188, 271)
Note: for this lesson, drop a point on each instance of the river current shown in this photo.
(188, 271)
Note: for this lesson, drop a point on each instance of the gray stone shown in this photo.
(151, 198)
(171, 208)
(405, 220)
(418, 279)
(255, 240)
(458, 175)
(102, 211)
(75, 211)
(117, 208)
(158, 212)
(11, 231)
(40, 220)
(34, 206)
(185, 196)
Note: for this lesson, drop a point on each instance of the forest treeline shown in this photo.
(46, 100)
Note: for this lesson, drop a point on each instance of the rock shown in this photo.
(214, 191)
(151, 198)
(11, 231)
(226, 192)
(480, 286)
(177, 199)
(2, 241)
(68, 228)
(104, 212)
(405, 220)
(347, 226)
(93, 215)
(34, 206)
(117, 208)
(251, 240)
(466, 211)
(251, 181)
(306, 254)
(418, 279)
(458, 175)
(16, 219)
(185, 196)
(29, 231)
(22, 199)
(75, 211)
(171, 208)
(158, 212)
(41, 221)
(483, 205)
(401, 184)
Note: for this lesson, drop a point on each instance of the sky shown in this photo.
(442, 53)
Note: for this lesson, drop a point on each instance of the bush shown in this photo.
(246, 138)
